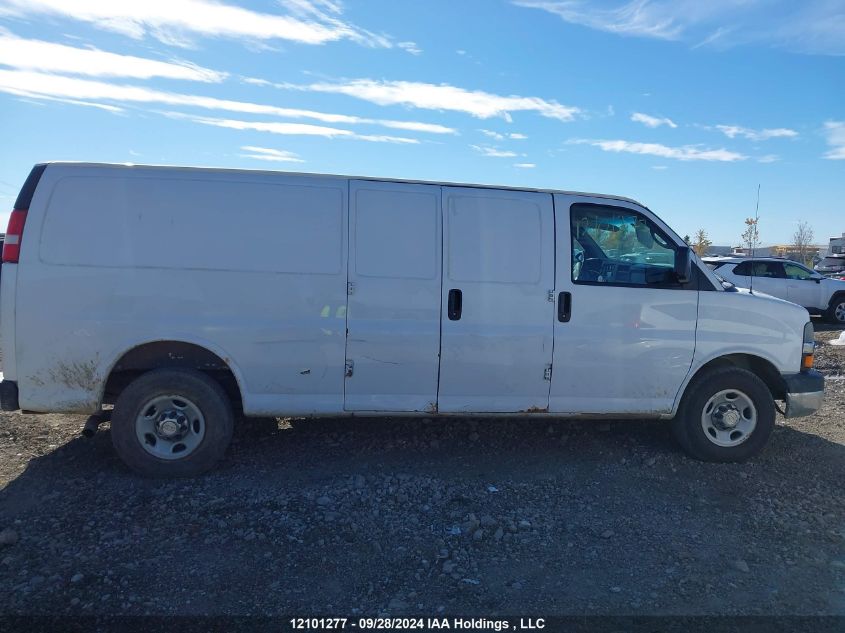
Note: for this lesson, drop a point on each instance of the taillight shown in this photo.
(14, 233)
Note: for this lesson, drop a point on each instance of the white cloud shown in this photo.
(809, 26)
(514, 136)
(525, 165)
(175, 22)
(659, 167)
(410, 47)
(45, 86)
(835, 134)
(652, 121)
(38, 55)
(768, 158)
(290, 129)
(271, 155)
(88, 104)
(684, 153)
(482, 105)
(638, 17)
(732, 131)
(492, 152)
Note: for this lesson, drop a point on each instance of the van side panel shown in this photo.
(250, 266)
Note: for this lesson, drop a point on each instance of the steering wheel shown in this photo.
(590, 269)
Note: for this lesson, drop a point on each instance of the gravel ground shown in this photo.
(430, 517)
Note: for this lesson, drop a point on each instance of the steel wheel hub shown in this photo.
(170, 427)
(839, 312)
(728, 418)
(171, 424)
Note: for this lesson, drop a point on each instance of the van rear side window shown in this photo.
(194, 224)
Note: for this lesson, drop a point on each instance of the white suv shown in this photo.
(785, 279)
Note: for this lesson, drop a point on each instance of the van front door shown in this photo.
(497, 320)
(393, 317)
(625, 332)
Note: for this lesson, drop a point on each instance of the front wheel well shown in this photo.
(171, 355)
(839, 295)
(760, 367)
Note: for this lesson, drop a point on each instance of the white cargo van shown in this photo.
(184, 295)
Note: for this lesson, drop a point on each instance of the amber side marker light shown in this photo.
(807, 361)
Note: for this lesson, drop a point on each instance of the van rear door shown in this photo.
(393, 318)
(497, 319)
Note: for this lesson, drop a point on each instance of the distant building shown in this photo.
(742, 251)
(715, 251)
(813, 252)
(837, 245)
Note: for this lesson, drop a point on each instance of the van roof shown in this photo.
(344, 176)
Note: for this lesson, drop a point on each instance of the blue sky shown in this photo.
(683, 105)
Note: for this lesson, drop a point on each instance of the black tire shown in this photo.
(687, 426)
(193, 385)
(836, 301)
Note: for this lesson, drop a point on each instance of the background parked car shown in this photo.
(787, 280)
(831, 265)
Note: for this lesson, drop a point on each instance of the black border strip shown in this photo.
(28, 189)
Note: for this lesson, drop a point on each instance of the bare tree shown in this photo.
(751, 235)
(802, 239)
(701, 243)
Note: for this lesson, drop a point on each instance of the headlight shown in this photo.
(808, 348)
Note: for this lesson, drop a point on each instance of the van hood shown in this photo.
(775, 303)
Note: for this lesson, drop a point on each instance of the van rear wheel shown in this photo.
(727, 415)
(172, 423)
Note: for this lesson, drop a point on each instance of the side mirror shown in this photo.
(683, 264)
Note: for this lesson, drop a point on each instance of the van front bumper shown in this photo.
(804, 393)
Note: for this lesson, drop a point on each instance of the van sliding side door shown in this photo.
(497, 315)
(393, 297)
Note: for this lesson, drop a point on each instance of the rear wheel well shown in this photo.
(171, 355)
(760, 367)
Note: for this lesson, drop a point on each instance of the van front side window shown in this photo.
(615, 245)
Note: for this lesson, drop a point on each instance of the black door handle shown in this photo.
(564, 306)
(456, 304)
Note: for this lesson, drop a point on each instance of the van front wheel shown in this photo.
(727, 415)
(172, 423)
